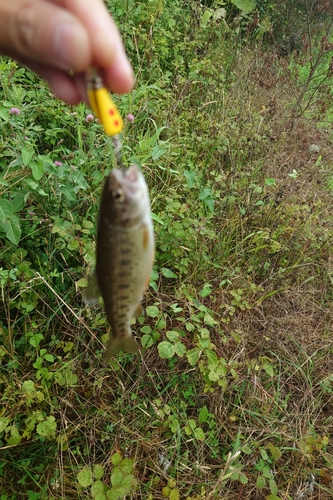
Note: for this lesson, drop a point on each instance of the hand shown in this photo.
(53, 37)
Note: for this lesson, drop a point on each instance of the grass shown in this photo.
(232, 395)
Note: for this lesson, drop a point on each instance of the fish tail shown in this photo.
(126, 343)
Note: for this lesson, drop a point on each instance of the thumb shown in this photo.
(43, 32)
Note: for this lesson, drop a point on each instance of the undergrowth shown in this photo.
(231, 396)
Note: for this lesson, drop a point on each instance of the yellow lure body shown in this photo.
(103, 107)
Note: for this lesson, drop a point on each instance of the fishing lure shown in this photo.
(103, 106)
(106, 111)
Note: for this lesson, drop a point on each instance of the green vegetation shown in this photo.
(232, 396)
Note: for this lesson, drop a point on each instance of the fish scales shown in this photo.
(124, 254)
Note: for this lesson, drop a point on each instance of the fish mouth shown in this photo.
(127, 178)
(132, 174)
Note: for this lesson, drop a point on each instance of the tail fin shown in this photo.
(126, 343)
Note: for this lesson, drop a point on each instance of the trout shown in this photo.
(124, 255)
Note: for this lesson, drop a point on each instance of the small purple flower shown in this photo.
(130, 117)
(90, 118)
(14, 111)
(58, 163)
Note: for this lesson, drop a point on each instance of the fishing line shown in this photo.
(107, 113)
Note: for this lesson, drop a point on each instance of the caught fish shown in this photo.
(124, 254)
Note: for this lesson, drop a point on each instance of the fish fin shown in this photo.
(92, 292)
(139, 311)
(126, 343)
(146, 237)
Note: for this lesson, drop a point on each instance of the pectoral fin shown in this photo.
(92, 292)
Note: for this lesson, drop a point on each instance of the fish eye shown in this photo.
(118, 195)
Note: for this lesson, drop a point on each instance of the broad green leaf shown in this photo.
(14, 437)
(98, 490)
(166, 350)
(266, 472)
(36, 339)
(206, 290)
(167, 273)
(66, 378)
(85, 477)
(31, 183)
(273, 486)
(205, 193)
(192, 424)
(203, 415)
(209, 202)
(146, 329)
(3, 182)
(152, 311)
(12, 229)
(147, 340)
(27, 154)
(204, 343)
(190, 177)
(49, 357)
(4, 422)
(211, 356)
(37, 169)
(172, 336)
(245, 5)
(157, 218)
(82, 283)
(209, 320)
(98, 471)
(193, 356)
(272, 497)
(174, 494)
(205, 18)
(199, 434)
(17, 202)
(247, 449)
(6, 210)
(157, 152)
(47, 428)
(68, 192)
(117, 478)
(269, 181)
(180, 349)
(126, 466)
(116, 458)
(269, 370)
(28, 386)
(3, 113)
(117, 493)
(73, 245)
(261, 482)
(264, 455)
(100, 496)
(166, 491)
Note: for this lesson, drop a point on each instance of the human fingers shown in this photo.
(44, 32)
(107, 50)
(69, 88)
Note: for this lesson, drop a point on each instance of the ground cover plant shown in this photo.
(232, 395)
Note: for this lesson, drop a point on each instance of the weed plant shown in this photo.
(231, 396)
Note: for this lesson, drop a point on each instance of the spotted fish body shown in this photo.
(124, 255)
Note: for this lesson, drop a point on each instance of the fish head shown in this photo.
(126, 196)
